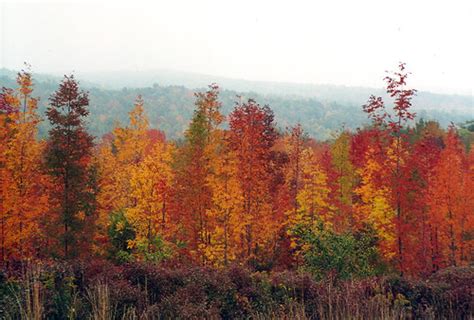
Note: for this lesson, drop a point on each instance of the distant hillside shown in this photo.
(325, 93)
(320, 109)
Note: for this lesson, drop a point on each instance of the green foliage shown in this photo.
(64, 291)
(153, 250)
(120, 233)
(466, 132)
(347, 255)
(197, 133)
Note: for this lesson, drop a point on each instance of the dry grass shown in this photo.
(101, 305)
(29, 295)
(40, 293)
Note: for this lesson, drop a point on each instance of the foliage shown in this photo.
(120, 233)
(344, 255)
(24, 202)
(151, 250)
(252, 136)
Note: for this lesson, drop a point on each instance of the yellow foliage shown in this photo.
(225, 211)
(313, 196)
(149, 189)
(375, 207)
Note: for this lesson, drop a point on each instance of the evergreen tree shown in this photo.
(68, 160)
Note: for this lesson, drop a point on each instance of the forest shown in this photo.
(238, 218)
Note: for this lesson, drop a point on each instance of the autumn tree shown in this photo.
(68, 158)
(226, 203)
(135, 186)
(252, 136)
(118, 154)
(313, 196)
(150, 183)
(193, 168)
(295, 145)
(467, 250)
(374, 205)
(131, 141)
(394, 122)
(451, 204)
(345, 178)
(422, 161)
(8, 109)
(25, 197)
(23, 200)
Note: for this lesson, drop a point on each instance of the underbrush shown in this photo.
(101, 290)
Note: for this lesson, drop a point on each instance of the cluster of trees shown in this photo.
(235, 189)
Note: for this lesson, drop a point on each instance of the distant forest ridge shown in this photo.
(169, 100)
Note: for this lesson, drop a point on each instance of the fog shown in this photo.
(323, 42)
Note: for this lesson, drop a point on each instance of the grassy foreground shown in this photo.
(101, 290)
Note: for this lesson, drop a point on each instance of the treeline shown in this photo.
(387, 197)
(170, 107)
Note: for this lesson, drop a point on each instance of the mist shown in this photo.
(329, 42)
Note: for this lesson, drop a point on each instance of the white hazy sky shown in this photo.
(328, 41)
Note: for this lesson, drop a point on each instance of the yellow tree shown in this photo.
(24, 182)
(131, 142)
(226, 202)
(128, 148)
(313, 197)
(374, 206)
(117, 156)
(340, 151)
(150, 183)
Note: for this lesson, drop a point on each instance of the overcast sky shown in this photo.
(315, 41)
